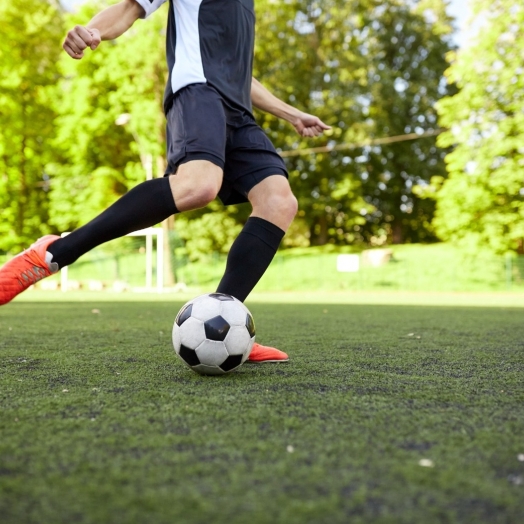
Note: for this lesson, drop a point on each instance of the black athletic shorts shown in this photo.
(201, 125)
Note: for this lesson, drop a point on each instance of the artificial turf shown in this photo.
(385, 414)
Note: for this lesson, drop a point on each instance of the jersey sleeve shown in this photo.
(150, 6)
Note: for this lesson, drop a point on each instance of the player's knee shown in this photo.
(201, 196)
(195, 185)
(289, 206)
(280, 209)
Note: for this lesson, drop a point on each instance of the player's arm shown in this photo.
(305, 124)
(106, 25)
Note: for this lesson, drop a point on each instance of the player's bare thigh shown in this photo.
(195, 184)
(273, 200)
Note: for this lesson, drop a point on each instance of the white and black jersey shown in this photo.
(209, 41)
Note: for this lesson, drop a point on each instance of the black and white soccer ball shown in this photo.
(214, 333)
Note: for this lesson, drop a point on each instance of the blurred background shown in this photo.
(419, 185)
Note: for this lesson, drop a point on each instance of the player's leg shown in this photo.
(255, 171)
(195, 185)
(143, 206)
(274, 207)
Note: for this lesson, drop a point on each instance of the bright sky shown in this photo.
(458, 8)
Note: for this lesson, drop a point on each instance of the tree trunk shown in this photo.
(397, 234)
(319, 231)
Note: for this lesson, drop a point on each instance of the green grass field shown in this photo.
(385, 414)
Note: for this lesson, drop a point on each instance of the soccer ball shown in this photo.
(213, 334)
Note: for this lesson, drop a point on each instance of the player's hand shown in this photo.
(80, 38)
(309, 125)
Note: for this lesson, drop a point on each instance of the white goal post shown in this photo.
(149, 233)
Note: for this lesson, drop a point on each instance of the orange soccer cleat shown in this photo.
(25, 269)
(261, 354)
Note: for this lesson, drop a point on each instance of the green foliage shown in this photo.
(482, 202)
(101, 160)
(29, 48)
(208, 233)
(370, 69)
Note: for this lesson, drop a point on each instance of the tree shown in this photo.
(111, 125)
(482, 202)
(305, 54)
(405, 80)
(371, 69)
(29, 49)
(110, 120)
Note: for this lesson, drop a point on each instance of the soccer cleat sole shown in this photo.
(267, 361)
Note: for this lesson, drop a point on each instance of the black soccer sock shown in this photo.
(249, 257)
(144, 206)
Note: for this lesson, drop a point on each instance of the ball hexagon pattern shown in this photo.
(213, 334)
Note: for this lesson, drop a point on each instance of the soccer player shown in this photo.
(214, 146)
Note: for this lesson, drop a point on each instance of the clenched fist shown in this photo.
(78, 39)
